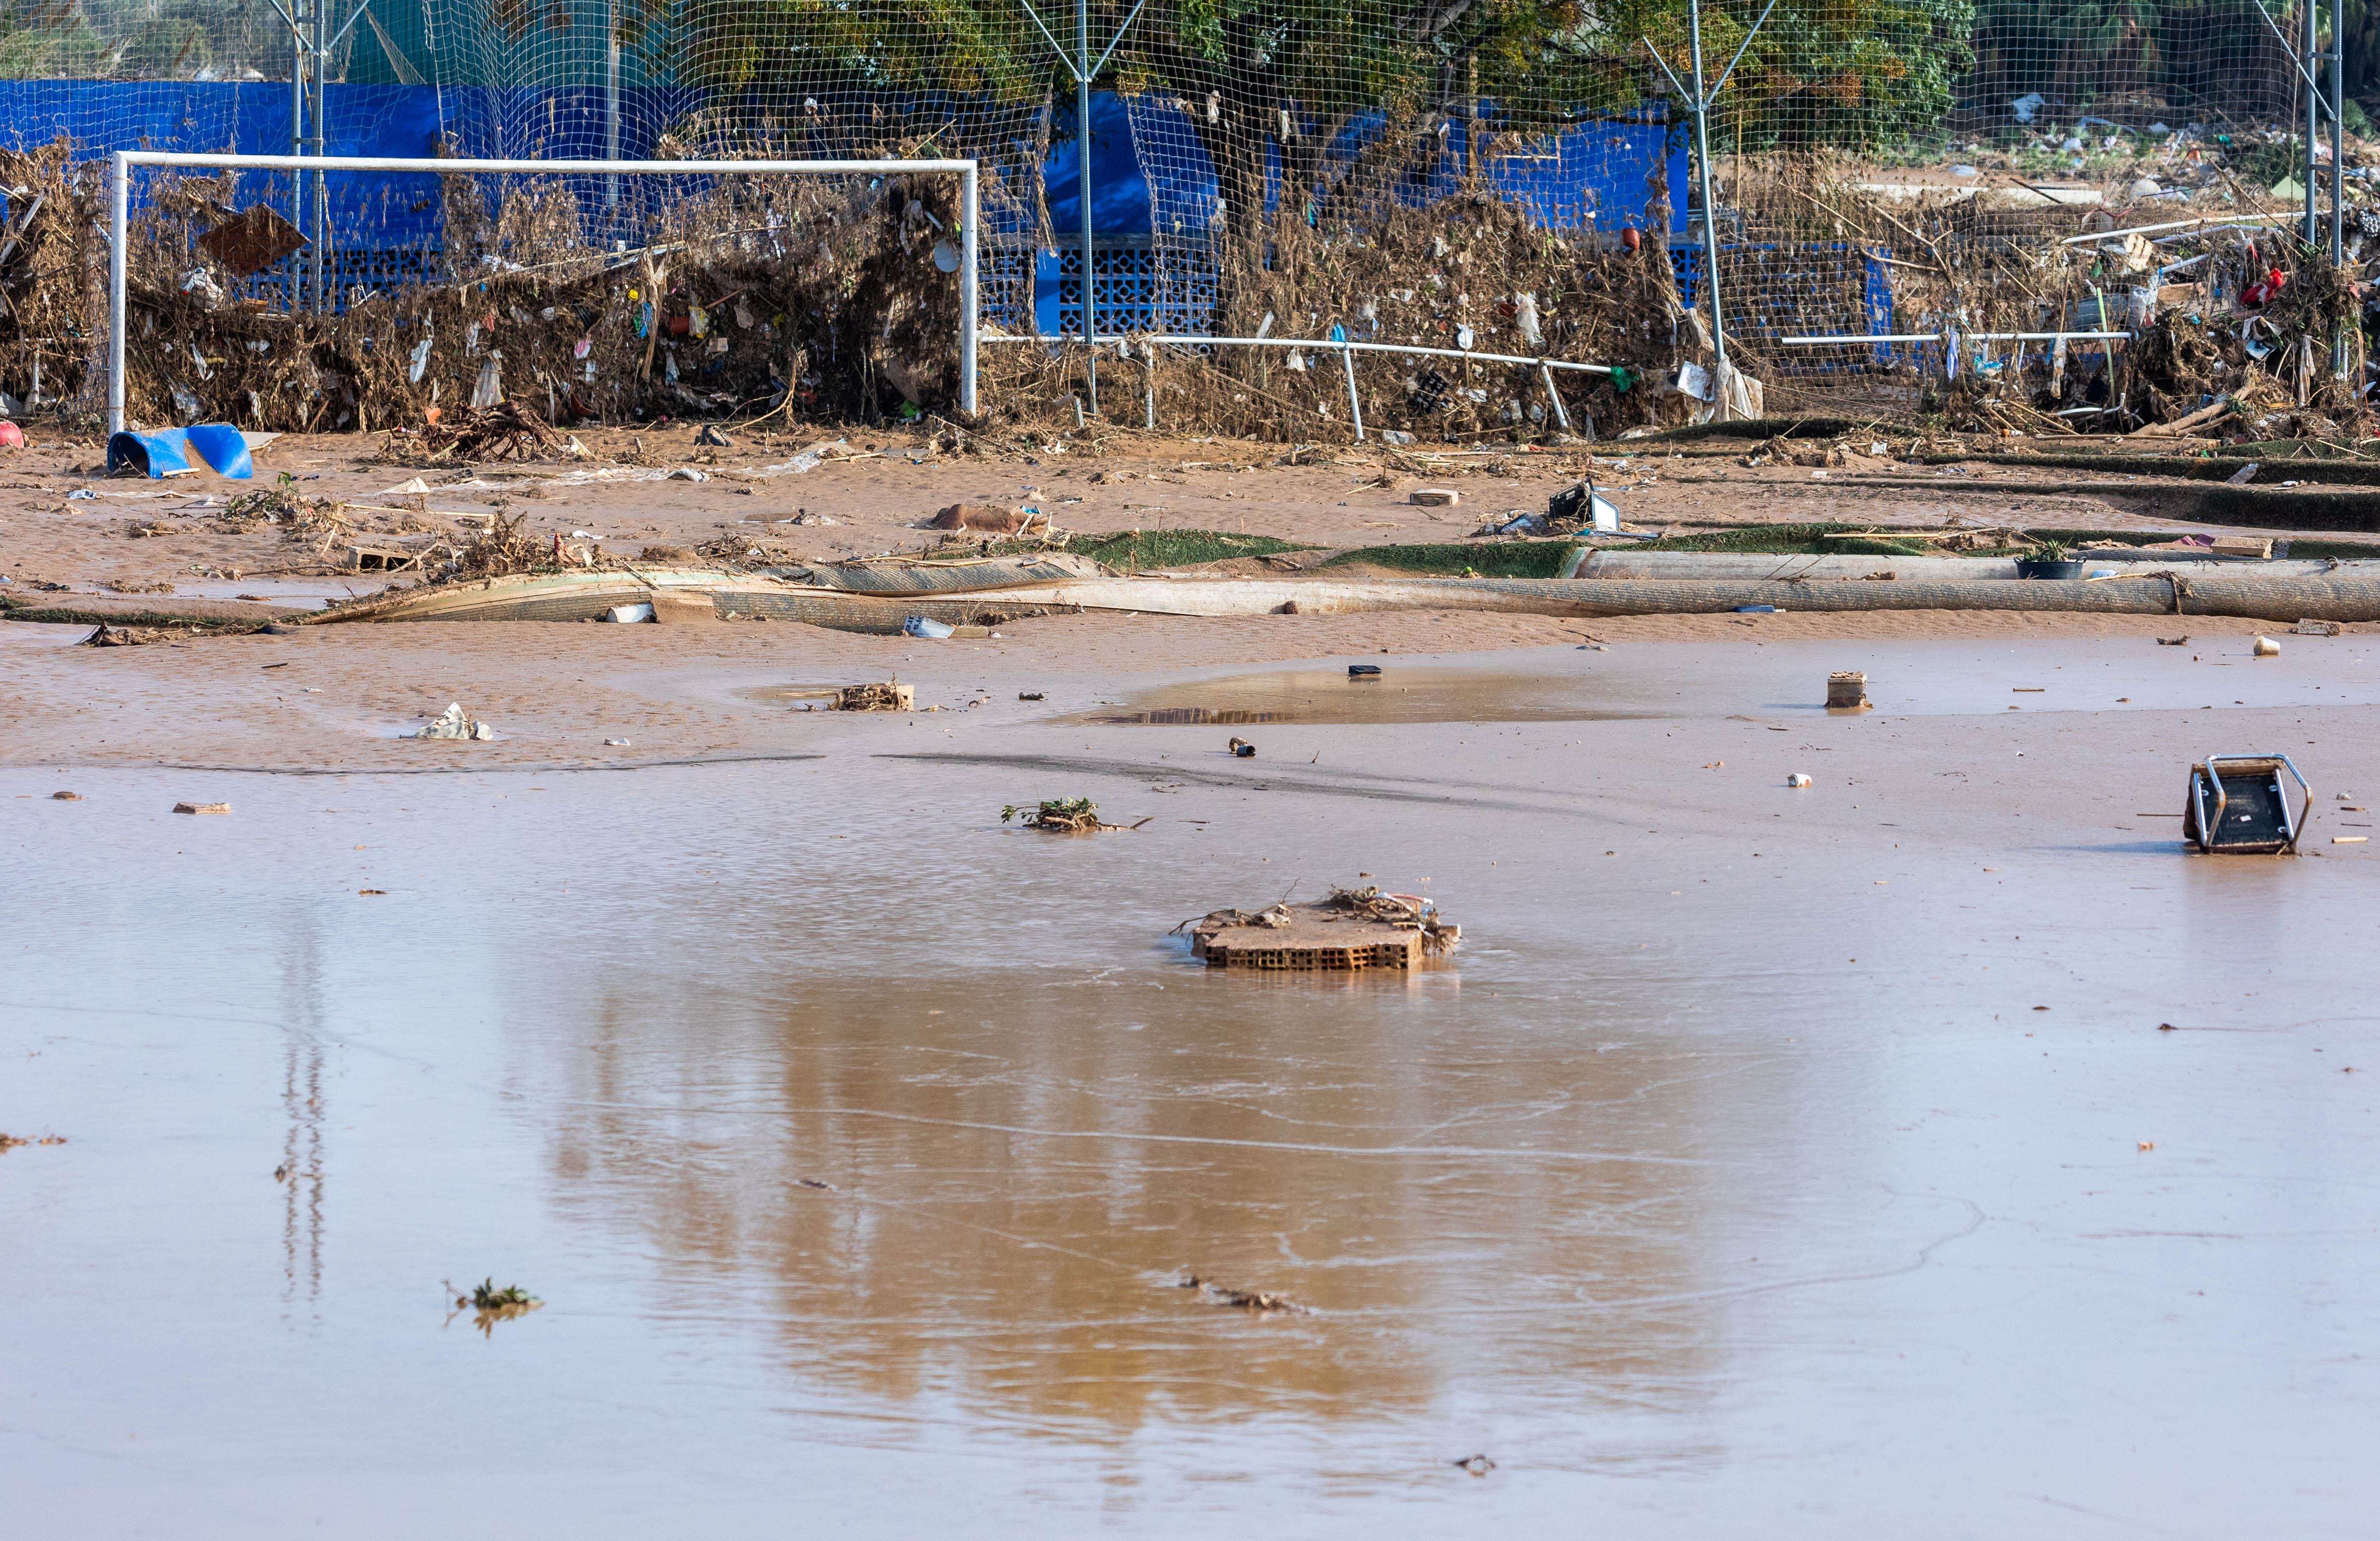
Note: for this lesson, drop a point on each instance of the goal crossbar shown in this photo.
(119, 217)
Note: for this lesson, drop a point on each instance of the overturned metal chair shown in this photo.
(2238, 806)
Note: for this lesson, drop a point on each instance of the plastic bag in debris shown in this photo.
(2025, 106)
(1745, 397)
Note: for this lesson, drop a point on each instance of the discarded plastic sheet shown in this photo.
(630, 613)
(926, 625)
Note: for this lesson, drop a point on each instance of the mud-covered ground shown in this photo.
(871, 491)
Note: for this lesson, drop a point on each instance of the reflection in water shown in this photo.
(1402, 693)
(1025, 1170)
(302, 1093)
(860, 1148)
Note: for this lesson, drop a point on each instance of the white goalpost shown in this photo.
(120, 218)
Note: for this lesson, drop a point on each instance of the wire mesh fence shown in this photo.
(1525, 177)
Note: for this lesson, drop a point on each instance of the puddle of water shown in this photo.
(858, 1161)
(1401, 693)
(791, 693)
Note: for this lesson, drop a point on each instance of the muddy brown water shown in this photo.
(1401, 693)
(857, 1145)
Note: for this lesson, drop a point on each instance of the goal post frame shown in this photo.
(119, 217)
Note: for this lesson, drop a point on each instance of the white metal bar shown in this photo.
(2177, 224)
(1562, 415)
(544, 168)
(1324, 344)
(119, 216)
(1354, 408)
(1937, 337)
(970, 195)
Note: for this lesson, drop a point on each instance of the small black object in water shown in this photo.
(1363, 671)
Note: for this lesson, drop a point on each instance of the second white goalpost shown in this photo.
(120, 218)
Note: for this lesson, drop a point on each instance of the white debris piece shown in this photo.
(454, 722)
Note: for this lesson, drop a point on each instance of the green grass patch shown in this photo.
(1135, 550)
(1486, 559)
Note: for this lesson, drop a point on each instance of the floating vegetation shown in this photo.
(493, 1306)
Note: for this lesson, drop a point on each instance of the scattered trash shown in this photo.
(1477, 1465)
(11, 436)
(2146, 1145)
(366, 893)
(1847, 691)
(630, 615)
(1755, 609)
(2241, 799)
(454, 722)
(890, 695)
(1029, 695)
(710, 435)
(813, 1182)
(1434, 497)
(1242, 1300)
(1797, 779)
(687, 473)
(2173, 641)
(1242, 750)
(1062, 816)
(615, 744)
(1580, 504)
(2265, 647)
(10, 1142)
(2349, 839)
(926, 626)
(2245, 475)
(202, 808)
(1363, 671)
(1367, 929)
(65, 796)
(2317, 628)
